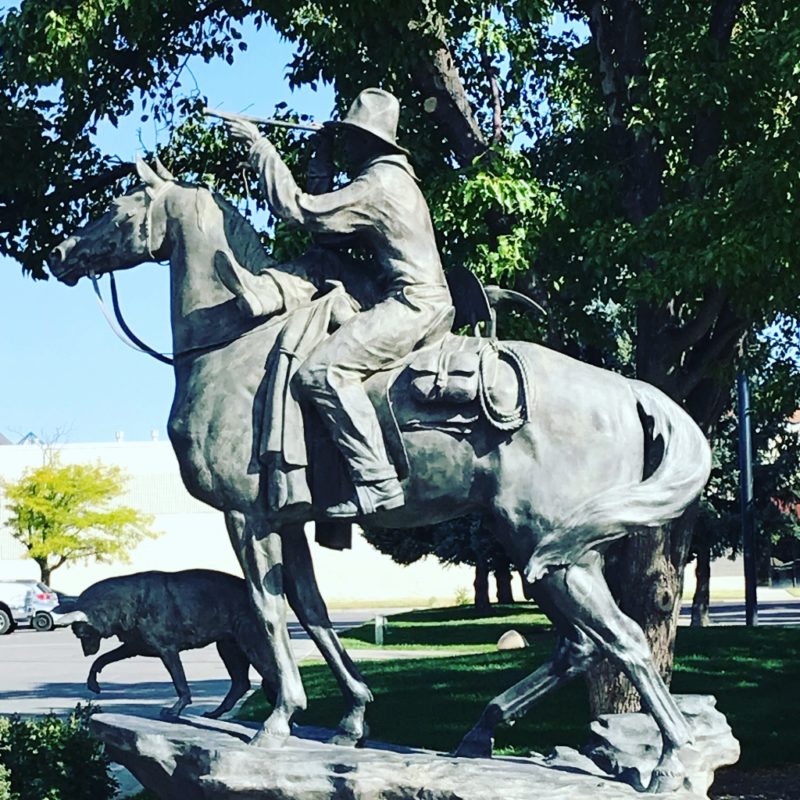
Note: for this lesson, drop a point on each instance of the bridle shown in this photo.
(117, 322)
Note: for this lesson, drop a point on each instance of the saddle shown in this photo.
(454, 385)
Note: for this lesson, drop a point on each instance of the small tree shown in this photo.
(67, 513)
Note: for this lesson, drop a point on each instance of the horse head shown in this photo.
(132, 231)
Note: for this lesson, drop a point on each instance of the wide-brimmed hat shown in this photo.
(377, 112)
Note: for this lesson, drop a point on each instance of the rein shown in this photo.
(120, 327)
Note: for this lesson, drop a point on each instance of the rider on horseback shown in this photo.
(384, 206)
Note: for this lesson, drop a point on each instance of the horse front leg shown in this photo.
(307, 603)
(260, 554)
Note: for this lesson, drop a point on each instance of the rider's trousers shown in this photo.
(332, 376)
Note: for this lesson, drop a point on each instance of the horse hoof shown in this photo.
(664, 781)
(215, 714)
(268, 740)
(168, 715)
(473, 746)
(347, 737)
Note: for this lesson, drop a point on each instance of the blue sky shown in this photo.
(64, 372)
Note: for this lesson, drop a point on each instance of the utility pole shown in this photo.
(746, 499)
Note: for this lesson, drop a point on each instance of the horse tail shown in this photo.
(677, 481)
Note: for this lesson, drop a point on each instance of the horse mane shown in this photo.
(238, 228)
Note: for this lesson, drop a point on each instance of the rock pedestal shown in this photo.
(199, 759)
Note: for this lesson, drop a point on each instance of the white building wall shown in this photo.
(194, 535)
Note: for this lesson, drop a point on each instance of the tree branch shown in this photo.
(78, 189)
(683, 337)
(609, 79)
(728, 330)
(707, 134)
(439, 82)
(497, 102)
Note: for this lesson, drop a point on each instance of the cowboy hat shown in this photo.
(376, 112)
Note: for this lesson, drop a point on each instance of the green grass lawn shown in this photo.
(432, 702)
(459, 628)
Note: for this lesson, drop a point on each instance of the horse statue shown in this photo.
(553, 489)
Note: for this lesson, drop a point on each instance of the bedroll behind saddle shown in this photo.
(466, 370)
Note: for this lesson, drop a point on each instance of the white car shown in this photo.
(26, 601)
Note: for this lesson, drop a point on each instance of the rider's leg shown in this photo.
(332, 379)
(256, 295)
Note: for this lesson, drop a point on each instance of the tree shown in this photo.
(775, 389)
(67, 513)
(630, 164)
(458, 541)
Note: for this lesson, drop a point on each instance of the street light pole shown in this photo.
(746, 499)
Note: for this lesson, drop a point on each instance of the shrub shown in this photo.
(53, 759)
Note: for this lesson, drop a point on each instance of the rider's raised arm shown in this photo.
(346, 210)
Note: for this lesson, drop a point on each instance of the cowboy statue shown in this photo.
(384, 208)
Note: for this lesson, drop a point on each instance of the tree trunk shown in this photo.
(700, 601)
(45, 569)
(643, 577)
(481, 584)
(502, 579)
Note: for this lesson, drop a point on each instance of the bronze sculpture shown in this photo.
(550, 451)
(161, 614)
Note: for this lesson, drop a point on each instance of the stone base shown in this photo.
(199, 758)
(628, 746)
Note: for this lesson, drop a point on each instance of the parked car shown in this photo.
(43, 602)
(16, 604)
(27, 601)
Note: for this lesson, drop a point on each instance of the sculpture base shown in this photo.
(200, 758)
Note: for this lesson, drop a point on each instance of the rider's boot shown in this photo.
(369, 498)
(256, 295)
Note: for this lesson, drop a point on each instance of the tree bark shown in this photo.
(481, 586)
(45, 570)
(502, 579)
(700, 601)
(645, 582)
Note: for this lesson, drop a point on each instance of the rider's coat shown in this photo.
(386, 209)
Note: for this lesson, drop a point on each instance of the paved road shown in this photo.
(732, 612)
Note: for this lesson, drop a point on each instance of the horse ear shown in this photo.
(147, 174)
(162, 171)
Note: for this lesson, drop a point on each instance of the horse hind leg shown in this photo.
(307, 603)
(571, 658)
(586, 598)
(259, 550)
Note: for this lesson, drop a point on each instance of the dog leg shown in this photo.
(101, 662)
(238, 667)
(172, 662)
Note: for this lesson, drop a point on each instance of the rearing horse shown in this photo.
(567, 481)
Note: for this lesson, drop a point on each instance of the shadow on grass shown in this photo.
(754, 674)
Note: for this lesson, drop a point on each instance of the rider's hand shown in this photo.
(242, 129)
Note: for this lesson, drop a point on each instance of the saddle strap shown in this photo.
(502, 420)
